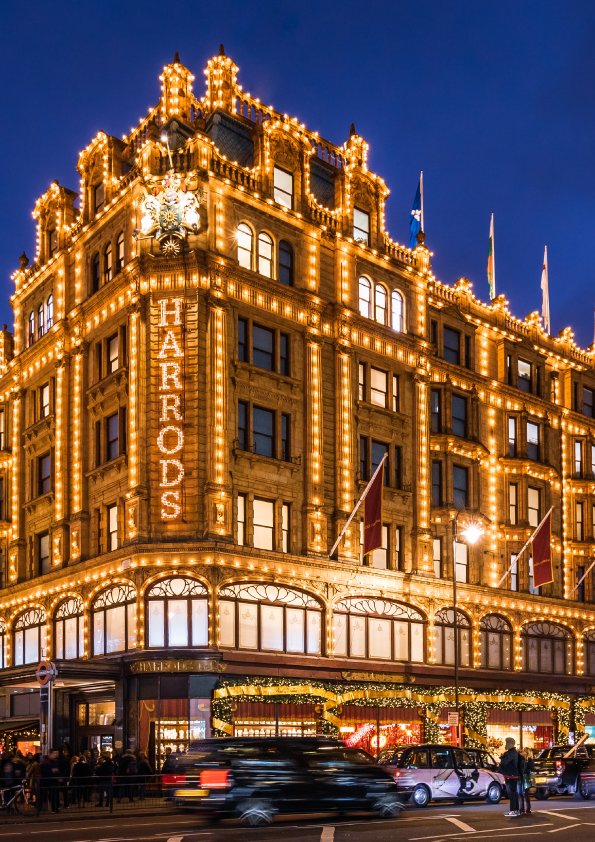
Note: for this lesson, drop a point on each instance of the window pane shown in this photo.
(379, 637)
(71, 634)
(438, 636)
(340, 634)
(115, 627)
(18, 648)
(200, 622)
(271, 627)
(265, 255)
(559, 647)
(244, 237)
(295, 618)
(263, 431)
(459, 416)
(397, 311)
(545, 647)
(283, 187)
(156, 623)
(451, 346)
(248, 625)
(131, 612)
(506, 650)
(401, 640)
(357, 632)
(361, 226)
(60, 640)
(227, 623)
(263, 524)
(98, 633)
(31, 645)
(285, 263)
(494, 650)
(417, 642)
(177, 622)
(459, 480)
(379, 384)
(262, 347)
(364, 297)
(524, 380)
(449, 645)
(314, 629)
(465, 639)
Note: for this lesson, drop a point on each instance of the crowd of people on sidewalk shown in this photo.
(62, 779)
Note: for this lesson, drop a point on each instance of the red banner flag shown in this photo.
(543, 572)
(373, 514)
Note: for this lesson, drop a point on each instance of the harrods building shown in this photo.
(214, 346)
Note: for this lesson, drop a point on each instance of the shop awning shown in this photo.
(18, 725)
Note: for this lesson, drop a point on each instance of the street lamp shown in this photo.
(471, 534)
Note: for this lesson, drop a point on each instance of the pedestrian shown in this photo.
(510, 768)
(33, 775)
(104, 772)
(81, 781)
(526, 781)
(64, 763)
(144, 774)
(50, 781)
(128, 775)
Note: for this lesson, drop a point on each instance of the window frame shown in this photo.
(357, 229)
(371, 615)
(502, 634)
(284, 269)
(397, 311)
(280, 193)
(40, 616)
(567, 637)
(450, 354)
(61, 620)
(166, 597)
(463, 623)
(364, 304)
(265, 241)
(128, 600)
(246, 231)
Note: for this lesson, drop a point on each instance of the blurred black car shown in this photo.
(556, 774)
(253, 779)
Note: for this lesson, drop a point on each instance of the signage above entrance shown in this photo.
(385, 677)
(178, 665)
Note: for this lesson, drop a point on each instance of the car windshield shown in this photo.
(391, 754)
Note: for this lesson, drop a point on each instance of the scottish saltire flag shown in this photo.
(545, 295)
(415, 221)
(491, 264)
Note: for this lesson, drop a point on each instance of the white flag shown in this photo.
(545, 295)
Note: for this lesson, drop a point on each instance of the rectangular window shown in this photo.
(283, 187)
(43, 547)
(513, 504)
(361, 385)
(588, 402)
(284, 354)
(2, 430)
(436, 483)
(578, 457)
(112, 527)
(112, 425)
(459, 416)
(378, 451)
(575, 404)
(534, 506)
(532, 589)
(509, 369)
(380, 556)
(242, 431)
(533, 441)
(398, 466)
(512, 436)
(242, 340)
(468, 352)
(263, 432)
(437, 557)
(263, 524)
(112, 354)
(460, 487)
(2, 517)
(378, 387)
(580, 533)
(452, 343)
(461, 562)
(99, 197)
(285, 528)
(361, 226)
(435, 425)
(263, 346)
(593, 458)
(44, 401)
(395, 393)
(524, 379)
(398, 549)
(434, 332)
(45, 474)
(241, 519)
(580, 591)
(53, 242)
(285, 455)
(514, 573)
(363, 458)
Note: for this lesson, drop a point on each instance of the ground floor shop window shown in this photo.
(271, 719)
(448, 732)
(533, 729)
(375, 729)
(169, 726)
(590, 727)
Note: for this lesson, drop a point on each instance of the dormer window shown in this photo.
(361, 226)
(99, 197)
(283, 187)
(53, 242)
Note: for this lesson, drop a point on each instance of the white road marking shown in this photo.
(566, 827)
(175, 839)
(328, 834)
(460, 824)
(437, 836)
(560, 815)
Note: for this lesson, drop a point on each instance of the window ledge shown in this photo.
(406, 488)
(118, 377)
(46, 424)
(389, 413)
(442, 442)
(118, 464)
(254, 369)
(31, 505)
(257, 458)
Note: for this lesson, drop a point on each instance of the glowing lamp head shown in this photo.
(163, 137)
(472, 534)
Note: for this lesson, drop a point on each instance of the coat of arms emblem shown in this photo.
(169, 212)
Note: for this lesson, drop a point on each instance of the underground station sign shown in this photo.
(45, 672)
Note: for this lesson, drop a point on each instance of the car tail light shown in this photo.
(214, 779)
(173, 780)
(559, 767)
(587, 775)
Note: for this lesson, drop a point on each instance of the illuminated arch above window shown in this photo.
(546, 630)
(178, 613)
(446, 617)
(69, 630)
(69, 608)
(114, 596)
(177, 587)
(382, 607)
(269, 593)
(495, 642)
(2, 627)
(32, 617)
(494, 622)
(29, 637)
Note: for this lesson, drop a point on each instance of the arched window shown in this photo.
(495, 643)
(378, 628)
(396, 301)
(49, 313)
(380, 304)
(114, 620)
(95, 273)
(365, 296)
(444, 637)
(31, 328)
(108, 269)
(285, 264)
(3, 645)
(69, 630)
(546, 647)
(40, 321)
(265, 255)
(590, 651)
(29, 637)
(120, 252)
(244, 236)
(178, 612)
(269, 617)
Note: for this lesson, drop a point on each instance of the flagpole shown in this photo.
(421, 190)
(358, 504)
(525, 545)
(582, 579)
(493, 257)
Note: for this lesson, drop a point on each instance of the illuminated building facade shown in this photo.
(215, 345)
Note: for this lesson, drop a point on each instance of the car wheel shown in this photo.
(388, 806)
(256, 811)
(494, 794)
(582, 793)
(541, 794)
(420, 797)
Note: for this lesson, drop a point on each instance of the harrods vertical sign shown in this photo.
(170, 435)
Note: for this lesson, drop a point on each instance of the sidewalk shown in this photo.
(74, 814)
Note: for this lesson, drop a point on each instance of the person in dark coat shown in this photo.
(511, 767)
(523, 791)
(81, 780)
(64, 763)
(127, 775)
(144, 774)
(50, 781)
(104, 772)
